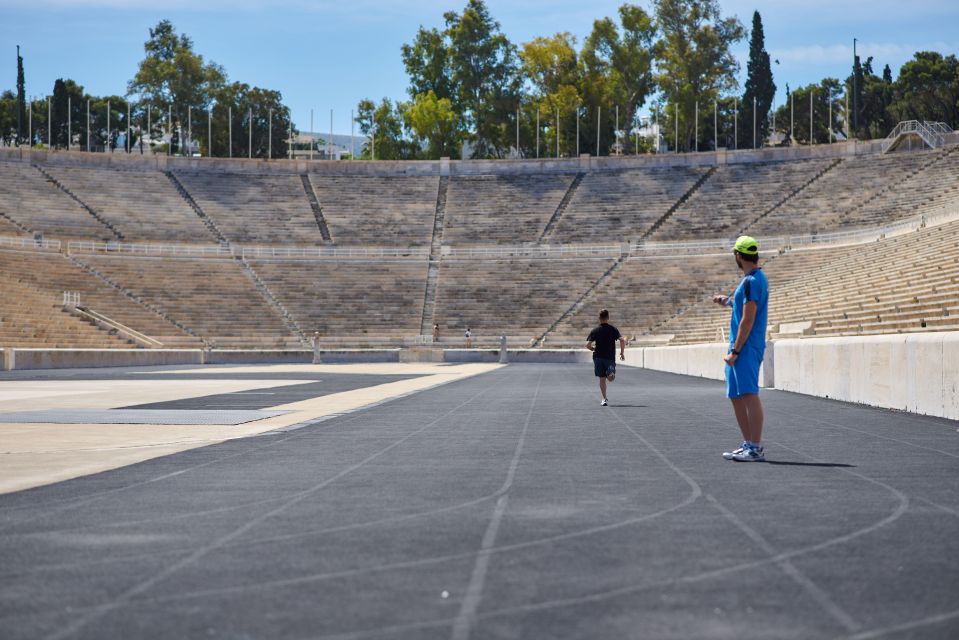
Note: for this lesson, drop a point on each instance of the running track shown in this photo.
(510, 505)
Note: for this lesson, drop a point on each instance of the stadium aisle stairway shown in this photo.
(255, 209)
(502, 209)
(353, 300)
(211, 296)
(27, 197)
(32, 317)
(611, 207)
(517, 297)
(142, 205)
(373, 210)
(53, 274)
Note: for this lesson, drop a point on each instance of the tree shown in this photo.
(485, 75)
(433, 121)
(8, 119)
(928, 89)
(427, 63)
(248, 107)
(828, 89)
(857, 81)
(382, 124)
(875, 118)
(617, 71)
(172, 77)
(21, 100)
(68, 113)
(759, 87)
(695, 63)
(550, 65)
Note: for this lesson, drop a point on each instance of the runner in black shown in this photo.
(602, 342)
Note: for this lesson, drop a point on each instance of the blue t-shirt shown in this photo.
(754, 287)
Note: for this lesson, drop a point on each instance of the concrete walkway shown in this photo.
(40, 453)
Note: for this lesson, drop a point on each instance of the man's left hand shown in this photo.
(622, 357)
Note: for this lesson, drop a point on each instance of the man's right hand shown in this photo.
(721, 300)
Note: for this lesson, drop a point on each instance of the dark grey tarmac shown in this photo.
(509, 505)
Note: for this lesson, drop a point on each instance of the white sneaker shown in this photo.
(604, 403)
(729, 455)
(750, 454)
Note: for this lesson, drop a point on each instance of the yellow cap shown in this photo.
(746, 245)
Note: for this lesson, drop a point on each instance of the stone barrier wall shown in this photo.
(916, 372)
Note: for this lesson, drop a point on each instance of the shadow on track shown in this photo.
(789, 463)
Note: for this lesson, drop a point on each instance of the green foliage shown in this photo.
(695, 61)
(69, 103)
(434, 123)
(821, 94)
(173, 74)
(8, 118)
(876, 119)
(617, 75)
(21, 106)
(928, 89)
(237, 108)
(759, 88)
(427, 62)
(551, 66)
(382, 124)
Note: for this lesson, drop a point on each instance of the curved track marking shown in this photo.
(906, 626)
(695, 494)
(474, 590)
(97, 612)
(631, 589)
(876, 435)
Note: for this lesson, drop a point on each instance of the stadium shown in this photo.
(287, 397)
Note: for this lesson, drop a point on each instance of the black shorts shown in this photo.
(603, 367)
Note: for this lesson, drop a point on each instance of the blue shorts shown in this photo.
(742, 378)
(602, 367)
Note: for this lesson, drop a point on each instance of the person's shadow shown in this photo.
(630, 406)
(790, 463)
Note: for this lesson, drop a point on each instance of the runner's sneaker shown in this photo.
(604, 403)
(750, 453)
(729, 455)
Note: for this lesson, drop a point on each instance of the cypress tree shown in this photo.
(759, 85)
(21, 99)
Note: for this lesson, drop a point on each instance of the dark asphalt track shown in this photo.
(314, 386)
(542, 514)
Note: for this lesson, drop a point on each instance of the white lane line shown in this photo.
(474, 591)
(880, 436)
(821, 597)
(81, 621)
(906, 626)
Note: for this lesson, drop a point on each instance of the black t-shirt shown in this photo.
(605, 337)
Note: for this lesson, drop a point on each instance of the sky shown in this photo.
(329, 54)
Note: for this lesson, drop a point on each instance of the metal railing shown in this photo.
(932, 133)
(248, 251)
(19, 242)
(263, 252)
(946, 212)
(537, 251)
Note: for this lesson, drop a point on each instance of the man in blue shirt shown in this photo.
(747, 345)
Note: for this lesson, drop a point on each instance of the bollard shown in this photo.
(9, 361)
(316, 348)
(503, 355)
